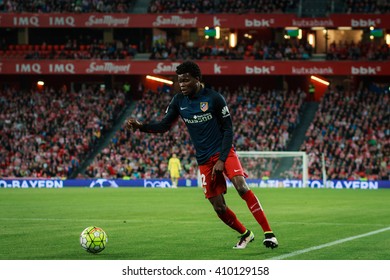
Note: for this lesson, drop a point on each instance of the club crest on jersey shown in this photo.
(204, 106)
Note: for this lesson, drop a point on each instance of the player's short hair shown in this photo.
(189, 67)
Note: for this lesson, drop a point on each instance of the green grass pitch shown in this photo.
(179, 224)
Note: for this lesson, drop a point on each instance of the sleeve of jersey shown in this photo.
(226, 122)
(170, 118)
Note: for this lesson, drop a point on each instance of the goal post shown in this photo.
(273, 169)
(276, 166)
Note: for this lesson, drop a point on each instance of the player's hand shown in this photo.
(217, 168)
(133, 124)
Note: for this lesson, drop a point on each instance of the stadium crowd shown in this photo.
(221, 6)
(71, 49)
(351, 128)
(367, 6)
(169, 50)
(67, 6)
(263, 121)
(184, 6)
(355, 51)
(155, 6)
(259, 50)
(49, 133)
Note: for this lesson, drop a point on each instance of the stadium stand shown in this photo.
(71, 6)
(359, 51)
(367, 7)
(244, 51)
(189, 6)
(222, 6)
(177, 51)
(351, 128)
(71, 49)
(263, 121)
(48, 134)
(136, 155)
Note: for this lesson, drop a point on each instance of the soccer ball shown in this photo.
(93, 239)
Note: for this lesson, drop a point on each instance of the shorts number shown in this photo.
(203, 180)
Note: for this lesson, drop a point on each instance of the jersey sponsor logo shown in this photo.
(204, 106)
(236, 170)
(199, 118)
(183, 108)
(225, 111)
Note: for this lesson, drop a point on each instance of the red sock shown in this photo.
(256, 209)
(231, 220)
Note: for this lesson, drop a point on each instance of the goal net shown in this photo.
(275, 169)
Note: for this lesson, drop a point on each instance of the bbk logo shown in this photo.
(258, 22)
(259, 70)
(365, 70)
(363, 22)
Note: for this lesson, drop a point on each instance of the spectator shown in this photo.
(351, 130)
(263, 120)
(48, 134)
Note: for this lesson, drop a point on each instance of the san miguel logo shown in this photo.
(175, 20)
(204, 106)
(165, 68)
(107, 20)
(108, 67)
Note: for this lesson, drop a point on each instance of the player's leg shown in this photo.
(236, 174)
(256, 209)
(214, 189)
(226, 214)
(230, 219)
(174, 179)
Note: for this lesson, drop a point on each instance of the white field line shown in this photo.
(132, 219)
(319, 247)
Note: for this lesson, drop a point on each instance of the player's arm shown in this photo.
(223, 116)
(226, 124)
(170, 118)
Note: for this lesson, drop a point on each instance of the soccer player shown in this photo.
(208, 120)
(174, 168)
